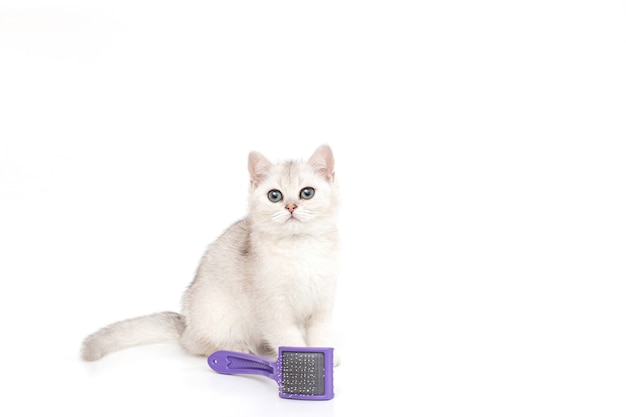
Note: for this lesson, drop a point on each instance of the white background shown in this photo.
(479, 151)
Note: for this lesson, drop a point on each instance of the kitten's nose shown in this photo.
(291, 207)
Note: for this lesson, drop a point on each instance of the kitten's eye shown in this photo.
(275, 196)
(307, 193)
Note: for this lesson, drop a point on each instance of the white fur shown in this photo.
(267, 281)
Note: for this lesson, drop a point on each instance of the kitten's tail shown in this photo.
(159, 327)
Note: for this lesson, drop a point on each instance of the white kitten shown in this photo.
(268, 281)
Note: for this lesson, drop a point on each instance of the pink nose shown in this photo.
(291, 207)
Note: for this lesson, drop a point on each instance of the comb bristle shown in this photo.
(303, 373)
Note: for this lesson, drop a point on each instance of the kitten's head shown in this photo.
(293, 197)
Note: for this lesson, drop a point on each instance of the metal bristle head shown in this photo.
(303, 373)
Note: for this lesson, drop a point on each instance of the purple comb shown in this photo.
(301, 373)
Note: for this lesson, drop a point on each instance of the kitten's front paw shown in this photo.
(266, 350)
(336, 358)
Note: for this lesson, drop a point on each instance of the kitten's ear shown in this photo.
(323, 162)
(258, 167)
